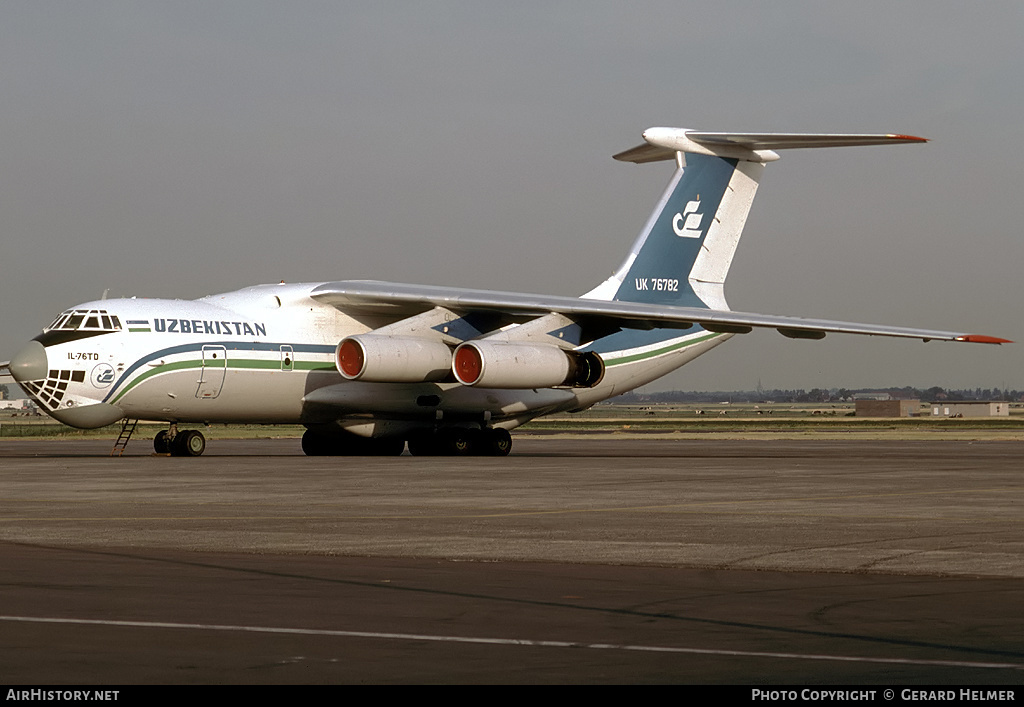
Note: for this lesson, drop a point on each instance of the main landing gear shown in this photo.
(186, 443)
(345, 444)
(451, 441)
(461, 442)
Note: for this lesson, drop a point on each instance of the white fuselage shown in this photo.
(266, 354)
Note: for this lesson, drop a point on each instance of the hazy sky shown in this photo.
(179, 149)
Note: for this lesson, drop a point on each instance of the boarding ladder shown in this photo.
(127, 429)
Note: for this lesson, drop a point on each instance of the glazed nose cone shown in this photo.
(30, 364)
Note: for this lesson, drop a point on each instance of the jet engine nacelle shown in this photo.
(498, 364)
(390, 359)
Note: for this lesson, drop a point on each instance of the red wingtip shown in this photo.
(982, 339)
(908, 138)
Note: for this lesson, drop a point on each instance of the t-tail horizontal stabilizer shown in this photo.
(665, 143)
(684, 251)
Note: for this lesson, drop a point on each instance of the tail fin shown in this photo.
(684, 251)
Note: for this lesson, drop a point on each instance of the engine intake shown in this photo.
(390, 359)
(496, 364)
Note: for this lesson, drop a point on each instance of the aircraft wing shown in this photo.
(403, 300)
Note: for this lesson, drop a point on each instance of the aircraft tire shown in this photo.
(189, 443)
(458, 442)
(497, 442)
(452, 442)
(315, 445)
(162, 443)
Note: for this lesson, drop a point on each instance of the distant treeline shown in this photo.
(818, 395)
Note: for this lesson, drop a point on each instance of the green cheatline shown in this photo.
(657, 352)
(268, 364)
(240, 363)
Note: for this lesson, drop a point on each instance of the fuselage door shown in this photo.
(287, 358)
(211, 376)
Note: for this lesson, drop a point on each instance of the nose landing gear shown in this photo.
(186, 443)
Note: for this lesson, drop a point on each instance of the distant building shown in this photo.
(871, 396)
(887, 408)
(970, 408)
(17, 404)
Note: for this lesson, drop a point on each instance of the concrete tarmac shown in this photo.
(593, 559)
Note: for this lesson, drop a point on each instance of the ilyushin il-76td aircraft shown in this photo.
(368, 367)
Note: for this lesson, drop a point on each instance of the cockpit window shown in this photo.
(97, 320)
